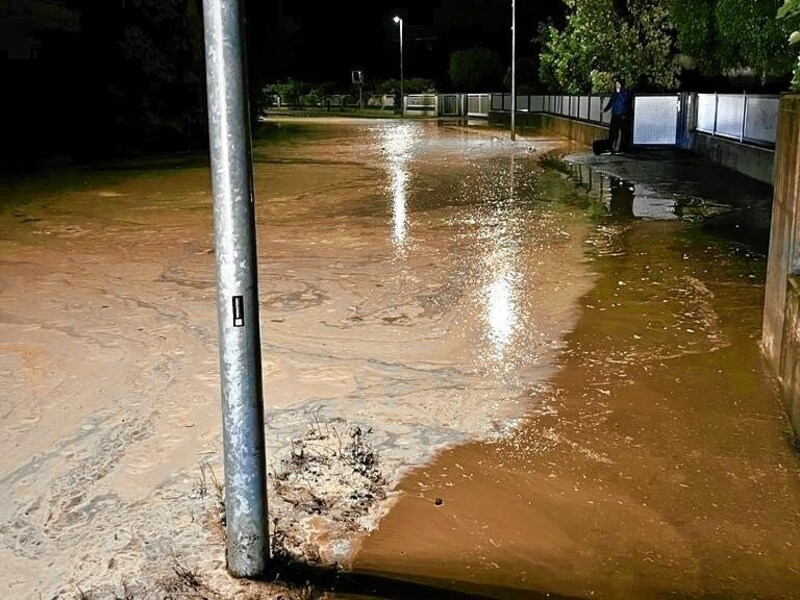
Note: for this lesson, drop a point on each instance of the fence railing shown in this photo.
(743, 117)
(478, 105)
(748, 118)
(451, 105)
(421, 104)
(582, 108)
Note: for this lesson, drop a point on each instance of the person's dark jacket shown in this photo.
(618, 103)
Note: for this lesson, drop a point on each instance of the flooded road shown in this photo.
(656, 464)
(416, 285)
(586, 384)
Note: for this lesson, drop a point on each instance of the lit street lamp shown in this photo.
(399, 20)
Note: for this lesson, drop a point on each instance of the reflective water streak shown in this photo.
(397, 140)
(501, 291)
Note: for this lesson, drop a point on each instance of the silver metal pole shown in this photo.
(402, 96)
(513, 70)
(237, 289)
(744, 117)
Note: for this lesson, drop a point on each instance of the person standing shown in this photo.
(618, 103)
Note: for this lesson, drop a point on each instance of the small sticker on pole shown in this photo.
(238, 311)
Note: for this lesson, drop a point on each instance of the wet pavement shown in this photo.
(556, 363)
(674, 184)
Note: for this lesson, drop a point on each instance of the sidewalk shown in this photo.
(675, 184)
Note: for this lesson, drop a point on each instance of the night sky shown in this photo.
(305, 39)
(100, 77)
(328, 40)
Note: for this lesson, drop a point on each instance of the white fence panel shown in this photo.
(424, 104)
(450, 105)
(497, 101)
(761, 123)
(583, 107)
(478, 105)
(706, 111)
(730, 115)
(595, 109)
(536, 104)
(605, 117)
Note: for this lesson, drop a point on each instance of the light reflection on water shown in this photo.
(622, 198)
(490, 194)
(398, 141)
(501, 261)
(500, 296)
(399, 201)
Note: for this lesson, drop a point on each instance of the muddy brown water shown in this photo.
(580, 389)
(656, 464)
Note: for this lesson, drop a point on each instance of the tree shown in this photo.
(143, 87)
(476, 69)
(721, 36)
(790, 13)
(527, 76)
(605, 38)
(162, 45)
(650, 33)
(696, 33)
(414, 85)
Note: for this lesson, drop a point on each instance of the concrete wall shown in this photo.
(753, 161)
(781, 335)
(584, 133)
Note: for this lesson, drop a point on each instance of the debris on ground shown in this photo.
(326, 484)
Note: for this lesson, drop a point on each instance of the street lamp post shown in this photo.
(247, 529)
(400, 21)
(513, 69)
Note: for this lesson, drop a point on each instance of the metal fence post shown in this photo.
(237, 289)
(716, 112)
(744, 116)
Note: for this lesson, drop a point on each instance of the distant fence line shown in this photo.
(747, 118)
(750, 118)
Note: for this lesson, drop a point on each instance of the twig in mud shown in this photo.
(316, 418)
(81, 594)
(126, 593)
(200, 487)
(338, 439)
(186, 584)
(207, 474)
(219, 489)
(277, 476)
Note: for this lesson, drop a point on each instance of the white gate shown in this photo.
(421, 104)
(655, 120)
(478, 105)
